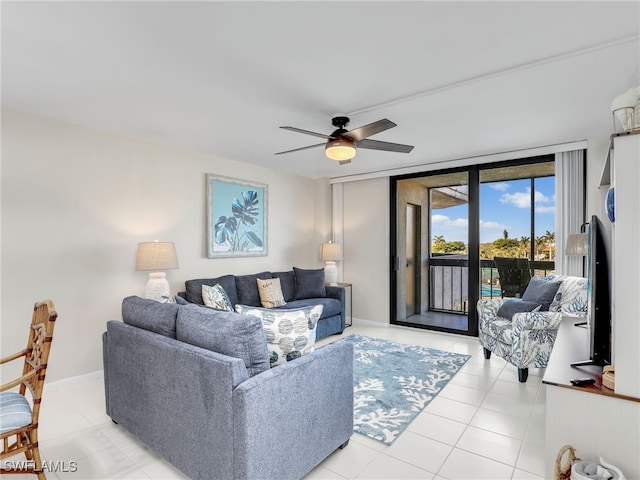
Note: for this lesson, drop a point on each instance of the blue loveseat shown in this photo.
(194, 384)
(300, 288)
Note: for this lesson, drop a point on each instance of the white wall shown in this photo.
(75, 204)
(366, 247)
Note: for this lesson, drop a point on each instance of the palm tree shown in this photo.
(549, 238)
(438, 239)
(524, 246)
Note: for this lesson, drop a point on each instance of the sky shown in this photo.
(503, 206)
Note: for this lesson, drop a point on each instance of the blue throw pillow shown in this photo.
(516, 305)
(541, 291)
(309, 283)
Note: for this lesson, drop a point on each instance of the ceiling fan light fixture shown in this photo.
(340, 149)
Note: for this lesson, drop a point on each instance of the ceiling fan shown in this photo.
(342, 144)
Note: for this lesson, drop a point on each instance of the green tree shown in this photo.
(449, 247)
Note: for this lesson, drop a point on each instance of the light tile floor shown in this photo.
(483, 425)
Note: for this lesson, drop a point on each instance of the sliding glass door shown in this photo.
(447, 227)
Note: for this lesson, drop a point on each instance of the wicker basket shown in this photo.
(608, 377)
(563, 472)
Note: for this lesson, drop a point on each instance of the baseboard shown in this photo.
(65, 382)
(361, 322)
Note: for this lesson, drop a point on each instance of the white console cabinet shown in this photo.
(596, 421)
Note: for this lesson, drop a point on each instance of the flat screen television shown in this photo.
(599, 297)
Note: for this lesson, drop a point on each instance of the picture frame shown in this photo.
(236, 217)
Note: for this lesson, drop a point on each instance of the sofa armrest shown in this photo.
(536, 321)
(336, 292)
(339, 293)
(308, 414)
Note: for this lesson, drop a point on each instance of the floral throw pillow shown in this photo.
(290, 333)
(216, 297)
(270, 292)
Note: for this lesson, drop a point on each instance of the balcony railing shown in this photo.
(449, 280)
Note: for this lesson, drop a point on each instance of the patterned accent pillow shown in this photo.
(290, 333)
(270, 292)
(216, 297)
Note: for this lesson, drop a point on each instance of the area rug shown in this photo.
(394, 382)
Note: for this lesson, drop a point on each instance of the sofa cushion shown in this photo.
(225, 332)
(270, 292)
(541, 291)
(516, 305)
(150, 315)
(193, 288)
(287, 283)
(290, 333)
(309, 283)
(247, 287)
(216, 297)
(330, 306)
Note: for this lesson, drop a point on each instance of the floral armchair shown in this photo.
(526, 340)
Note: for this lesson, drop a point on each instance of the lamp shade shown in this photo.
(340, 149)
(156, 256)
(330, 251)
(577, 244)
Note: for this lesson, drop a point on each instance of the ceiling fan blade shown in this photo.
(301, 148)
(386, 146)
(307, 132)
(365, 131)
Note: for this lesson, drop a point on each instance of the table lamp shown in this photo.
(156, 256)
(331, 253)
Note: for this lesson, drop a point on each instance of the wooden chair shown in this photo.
(514, 274)
(19, 421)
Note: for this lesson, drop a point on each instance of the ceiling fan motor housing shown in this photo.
(340, 121)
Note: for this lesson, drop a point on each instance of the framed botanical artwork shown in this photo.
(236, 217)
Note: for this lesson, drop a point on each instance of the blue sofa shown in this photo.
(243, 289)
(194, 385)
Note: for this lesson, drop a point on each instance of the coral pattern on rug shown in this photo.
(394, 382)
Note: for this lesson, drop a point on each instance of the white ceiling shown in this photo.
(459, 78)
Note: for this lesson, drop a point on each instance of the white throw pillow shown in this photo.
(270, 292)
(290, 333)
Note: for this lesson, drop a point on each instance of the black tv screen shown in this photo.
(599, 296)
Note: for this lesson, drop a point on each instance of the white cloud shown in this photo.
(518, 199)
(444, 221)
(500, 186)
(491, 225)
(523, 199)
(545, 208)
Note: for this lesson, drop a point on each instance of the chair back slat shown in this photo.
(38, 346)
(514, 274)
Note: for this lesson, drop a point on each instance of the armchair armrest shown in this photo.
(21, 379)
(536, 321)
(13, 356)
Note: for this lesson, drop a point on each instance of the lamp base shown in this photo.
(157, 287)
(330, 273)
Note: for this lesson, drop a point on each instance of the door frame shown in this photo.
(473, 179)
